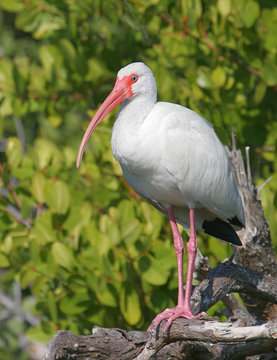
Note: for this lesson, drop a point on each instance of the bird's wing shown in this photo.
(197, 162)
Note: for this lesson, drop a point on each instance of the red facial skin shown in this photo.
(121, 91)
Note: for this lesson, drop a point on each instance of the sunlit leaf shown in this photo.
(14, 151)
(41, 333)
(12, 5)
(4, 261)
(224, 7)
(57, 196)
(106, 293)
(43, 230)
(269, 73)
(153, 271)
(52, 306)
(63, 255)
(130, 305)
(74, 304)
(37, 187)
(250, 13)
(131, 231)
(218, 76)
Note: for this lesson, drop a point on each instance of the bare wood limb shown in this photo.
(234, 311)
(210, 338)
(257, 251)
(102, 344)
(227, 278)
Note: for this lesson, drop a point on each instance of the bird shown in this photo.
(172, 157)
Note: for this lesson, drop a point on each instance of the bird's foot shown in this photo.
(173, 314)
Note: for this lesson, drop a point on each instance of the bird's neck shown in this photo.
(135, 110)
(128, 127)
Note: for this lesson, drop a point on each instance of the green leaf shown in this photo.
(77, 284)
(106, 268)
(129, 304)
(37, 186)
(204, 80)
(222, 249)
(7, 80)
(269, 73)
(146, 211)
(75, 304)
(12, 5)
(27, 276)
(14, 152)
(6, 108)
(55, 120)
(131, 231)
(4, 261)
(47, 59)
(113, 232)
(218, 76)
(39, 284)
(126, 211)
(250, 13)
(18, 81)
(43, 231)
(57, 196)
(151, 271)
(63, 255)
(260, 92)
(68, 50)
(41, 334)
(106, 293)
(51, 301)
(224, 7)
(27, 19)
(46, 151)
(47, 26)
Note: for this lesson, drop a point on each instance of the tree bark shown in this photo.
(257, 251)
(250, 329)
(187, 339)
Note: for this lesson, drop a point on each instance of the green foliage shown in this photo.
(83, 247)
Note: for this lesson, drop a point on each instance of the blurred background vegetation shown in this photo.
(78, 247)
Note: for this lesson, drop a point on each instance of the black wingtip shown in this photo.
(221, 230)
(235, 221)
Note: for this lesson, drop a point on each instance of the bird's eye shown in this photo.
(134, 78)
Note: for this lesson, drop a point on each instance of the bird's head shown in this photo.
(132, 80)
(138, 79)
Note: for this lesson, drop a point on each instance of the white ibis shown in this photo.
(172, 157)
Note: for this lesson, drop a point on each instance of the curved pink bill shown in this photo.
(120, 92)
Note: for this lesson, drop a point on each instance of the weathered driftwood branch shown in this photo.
(252, 272)
(208, 338)
(201, 339)
(257, 252)
(227, 278)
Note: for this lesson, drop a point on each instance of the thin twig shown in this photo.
(260, 188)
(248, 168)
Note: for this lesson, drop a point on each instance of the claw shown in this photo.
(173, 314)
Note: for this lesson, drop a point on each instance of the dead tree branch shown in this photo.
(227, 278)
(257, 251)
(202, 339)
(249, 330)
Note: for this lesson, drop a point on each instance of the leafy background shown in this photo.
(79, 247)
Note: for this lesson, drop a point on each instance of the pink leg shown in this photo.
(192, 249)
(179, 249)
(183, 306)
